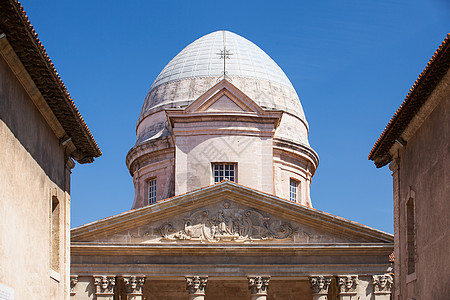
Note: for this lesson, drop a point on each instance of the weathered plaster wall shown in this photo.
(32, 169)
(425, 172)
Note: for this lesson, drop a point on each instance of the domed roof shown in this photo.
(202, 58)
(201, 65)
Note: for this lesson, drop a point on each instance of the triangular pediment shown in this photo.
(226, 104)
(227, 213)
(224, 97)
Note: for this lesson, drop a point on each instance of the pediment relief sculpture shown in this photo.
(228, 223)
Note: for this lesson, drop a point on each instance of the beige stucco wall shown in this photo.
(32, 170)
(198, 145)
(424, 174)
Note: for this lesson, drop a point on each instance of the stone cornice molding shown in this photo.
(258, 285)
(320, 284)
(134, 284)
(240, 194)
(382, 284)
(236, 249)
(104, 285)
(148, 150)
(174, 268)
(347, 284)
(298, 149)
(196, 285)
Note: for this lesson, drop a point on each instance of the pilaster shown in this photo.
(196, 286)
(394, 166)
(382, 285)
(258, 286)
(319, 286)
(347, 285)
(104, 287)
(134, 286)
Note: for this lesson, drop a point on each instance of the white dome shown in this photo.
(202, 59)
(200, 66)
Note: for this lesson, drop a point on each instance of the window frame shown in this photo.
(152, 196)
(297, 189)
(410, 226)
(224, 176)
(55, 232)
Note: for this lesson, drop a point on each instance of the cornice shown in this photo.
(149, 150)
(347, 249)
(298, 149)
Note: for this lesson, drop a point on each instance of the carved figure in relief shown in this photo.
(320, 284)
(382, 283)
(227, 224)
(347, 283)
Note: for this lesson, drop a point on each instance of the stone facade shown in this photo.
(249, 232)
(235, 237)
(420, 164)
(36, 151)
(30, 193)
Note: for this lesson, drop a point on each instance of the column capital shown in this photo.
(73, 283)
(196, 285)
(347, 284)
(258, 285)
(382, 284)
(134, 284)
(320, 284)
(104, 285)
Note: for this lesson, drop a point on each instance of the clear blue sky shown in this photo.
(351, 62)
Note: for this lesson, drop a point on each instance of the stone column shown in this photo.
(347, 286)
(196, 286)
(258, 286)
(73, 284)
(382, 285)
(134, 286)
(104, 287)
(319, 286)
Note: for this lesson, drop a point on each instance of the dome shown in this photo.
(177, 149)
(200, 66)
(202, 59)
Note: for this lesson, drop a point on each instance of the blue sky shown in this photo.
(351, 62)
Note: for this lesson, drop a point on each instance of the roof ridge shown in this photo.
(408, 109)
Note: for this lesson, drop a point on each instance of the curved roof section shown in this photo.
(201, 65)
(202, 58)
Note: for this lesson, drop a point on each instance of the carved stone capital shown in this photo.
(196, 285)
(258, 285)
(382, 284)
(104, 285)
(347, 284)
(73, 283)
(320, 284)
(134, 284)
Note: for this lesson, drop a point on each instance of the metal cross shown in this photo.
(224, 54)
